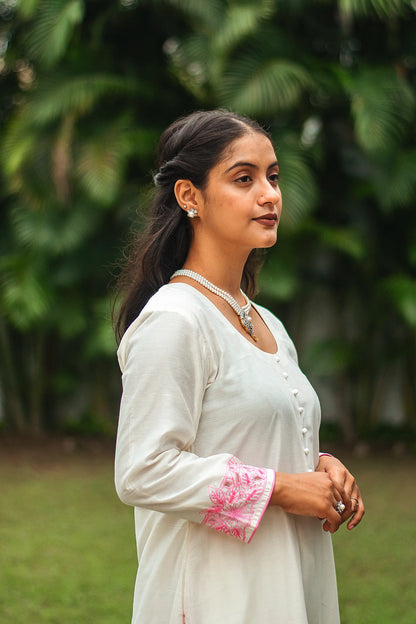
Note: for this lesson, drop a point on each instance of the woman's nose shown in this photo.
(270, 194)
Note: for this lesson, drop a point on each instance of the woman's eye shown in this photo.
(274, 178)
(243, 179)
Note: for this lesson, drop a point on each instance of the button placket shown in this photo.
(301, 410)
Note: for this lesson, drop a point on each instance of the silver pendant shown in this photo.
(247, 323)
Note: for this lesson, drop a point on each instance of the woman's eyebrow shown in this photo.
(248, 164)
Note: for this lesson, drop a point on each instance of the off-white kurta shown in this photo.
(206, 419)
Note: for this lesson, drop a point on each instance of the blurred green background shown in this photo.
(87, 88)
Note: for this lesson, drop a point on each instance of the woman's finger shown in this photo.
(358, 510)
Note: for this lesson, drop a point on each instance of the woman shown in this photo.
(217, 445)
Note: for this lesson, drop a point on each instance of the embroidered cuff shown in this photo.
(240, 501)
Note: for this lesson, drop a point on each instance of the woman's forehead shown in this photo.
(252, 146)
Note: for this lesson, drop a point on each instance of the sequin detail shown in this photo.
(234, 501)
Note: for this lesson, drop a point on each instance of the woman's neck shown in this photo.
(223, 271)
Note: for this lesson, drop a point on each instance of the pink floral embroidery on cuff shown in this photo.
(234, 501)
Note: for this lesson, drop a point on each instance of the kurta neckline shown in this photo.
(227, 322)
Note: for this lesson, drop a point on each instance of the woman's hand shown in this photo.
(309, 494)
(347, 487)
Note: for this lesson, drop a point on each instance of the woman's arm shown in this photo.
(167, 367)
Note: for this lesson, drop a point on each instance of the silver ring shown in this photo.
(356, 500)
(340, 507)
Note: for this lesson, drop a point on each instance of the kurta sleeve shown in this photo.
(166, 367)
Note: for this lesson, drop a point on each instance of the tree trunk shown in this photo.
(14, 413)
(36, 383)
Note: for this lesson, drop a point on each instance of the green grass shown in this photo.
(67, 544)
(376, 562)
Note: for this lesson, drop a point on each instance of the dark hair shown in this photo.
(188, 149)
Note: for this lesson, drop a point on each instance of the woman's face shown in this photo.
(241, 204)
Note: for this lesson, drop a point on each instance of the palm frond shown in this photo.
(346, 240)
(36, 166)
(198, 12)
(26, 162)
(401, 290)
(382, 8)
(100, 162)
(54, 99)
(23, 297)
(240, 20)
(51, 231)
(297, 183)
(52, 29)
(27, 8)
(200, 60)
(74, 94)
(18, 142)
(401, 177)
(191, 62)
(258, 86)
(382, 105)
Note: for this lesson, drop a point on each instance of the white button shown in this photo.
(285, 375)
(300, 410)
(304, 431)
(295, 391)
(310, 470)
(306, 451)
(277, 358)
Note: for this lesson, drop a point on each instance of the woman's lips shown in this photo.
(267, 219)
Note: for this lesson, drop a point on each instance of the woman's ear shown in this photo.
(186, 195)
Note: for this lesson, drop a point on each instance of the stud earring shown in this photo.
(192, 212)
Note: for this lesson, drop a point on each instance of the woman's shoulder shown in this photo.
(176, 297)
(176, 308)
(170, 300)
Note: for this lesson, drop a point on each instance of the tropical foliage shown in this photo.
(87, 88)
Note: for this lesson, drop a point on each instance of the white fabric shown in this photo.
(206, 419)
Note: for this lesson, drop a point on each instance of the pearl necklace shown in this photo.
(243, 312)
